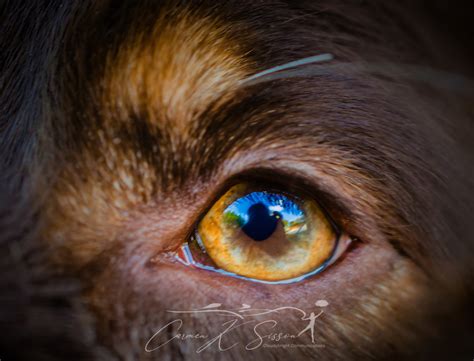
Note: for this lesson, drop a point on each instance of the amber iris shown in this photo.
(266, 234)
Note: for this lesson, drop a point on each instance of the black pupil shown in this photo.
(261, 223)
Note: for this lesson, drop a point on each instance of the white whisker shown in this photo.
(440, 79)
(292, 64)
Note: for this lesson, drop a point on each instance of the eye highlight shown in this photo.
(264, 235)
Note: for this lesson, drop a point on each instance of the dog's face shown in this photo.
(153, 111)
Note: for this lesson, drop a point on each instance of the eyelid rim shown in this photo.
(270, 178)
(343, 241)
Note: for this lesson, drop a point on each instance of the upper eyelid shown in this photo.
(285, 179)
(340, 182)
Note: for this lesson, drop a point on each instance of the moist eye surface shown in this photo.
(263, 234)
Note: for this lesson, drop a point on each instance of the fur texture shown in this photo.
(122, 122)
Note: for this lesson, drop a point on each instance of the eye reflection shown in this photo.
(259, 214)
(262, 235)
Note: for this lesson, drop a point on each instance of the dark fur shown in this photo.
(413, 138)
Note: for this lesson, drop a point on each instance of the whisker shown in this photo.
(440, 79)
(292, 64)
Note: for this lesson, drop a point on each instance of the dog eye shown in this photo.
(264, 235)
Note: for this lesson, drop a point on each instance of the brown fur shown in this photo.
(145, 120)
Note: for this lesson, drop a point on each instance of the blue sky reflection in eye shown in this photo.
(256, 206)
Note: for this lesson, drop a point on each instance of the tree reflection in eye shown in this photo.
(259, 213)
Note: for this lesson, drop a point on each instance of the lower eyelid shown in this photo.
(184, 256)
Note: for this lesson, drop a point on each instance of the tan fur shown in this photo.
(167, 92)
(205, 65)
(124, 196)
